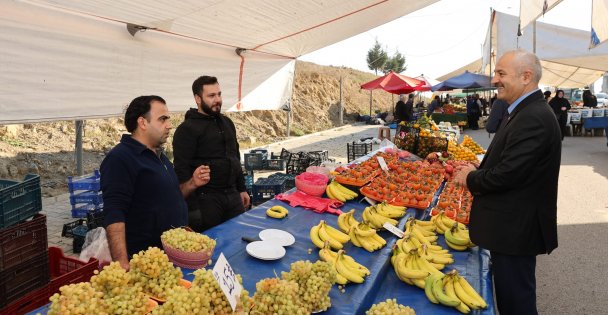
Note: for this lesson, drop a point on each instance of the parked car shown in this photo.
(602, 99)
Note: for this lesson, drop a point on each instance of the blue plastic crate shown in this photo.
(89, 182)
(249, 182)
(265, 189)
(81, 211)
(92, 197)
(19, 200)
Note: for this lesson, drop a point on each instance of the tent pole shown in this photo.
(340, 115)
(534, 37)
(370, 102)
(78, 149)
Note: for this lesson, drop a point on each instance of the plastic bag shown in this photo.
(96, 245)
(387, 144)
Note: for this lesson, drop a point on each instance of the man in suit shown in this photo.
(514, 211)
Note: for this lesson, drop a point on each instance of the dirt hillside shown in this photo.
(48, 148)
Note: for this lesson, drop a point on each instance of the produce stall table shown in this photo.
(452, 118)
(596, 123)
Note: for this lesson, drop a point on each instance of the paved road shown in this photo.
(572, 280)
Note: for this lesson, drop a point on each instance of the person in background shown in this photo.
(547, 95)
(435, 104)
(514, 210)
(400, 114)
(589, 100)
(560, 106)
(492, 101)
(409, 107)
(141, 195)
(497, 114)
(473, 111)
(207, 137)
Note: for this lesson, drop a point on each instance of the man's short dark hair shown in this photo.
(140, 107)
(197, 85)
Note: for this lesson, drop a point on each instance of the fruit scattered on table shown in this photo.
(277, 212)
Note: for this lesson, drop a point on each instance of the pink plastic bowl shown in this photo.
(192, 260)
(313, 184)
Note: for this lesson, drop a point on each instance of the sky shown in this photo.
(441, 37)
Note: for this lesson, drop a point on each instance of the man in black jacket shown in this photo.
(514, 211)
(206, 137)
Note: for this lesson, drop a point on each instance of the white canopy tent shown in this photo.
(65, 59)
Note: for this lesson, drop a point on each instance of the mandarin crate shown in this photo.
(19, 200)
(90, 182)
(22, 242)
(24, 278)
(62, 271)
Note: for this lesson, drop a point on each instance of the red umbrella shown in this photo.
(394, 83)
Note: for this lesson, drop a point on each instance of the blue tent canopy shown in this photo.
(467, 80)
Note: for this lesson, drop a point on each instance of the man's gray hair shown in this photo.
(528, 61)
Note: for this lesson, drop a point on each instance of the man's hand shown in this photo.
(118, 244)
(201, 176)
(245, 199)
(462, 173)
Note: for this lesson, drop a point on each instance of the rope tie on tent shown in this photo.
(239, 51)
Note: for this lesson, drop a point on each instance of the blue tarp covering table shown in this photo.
(595, 122)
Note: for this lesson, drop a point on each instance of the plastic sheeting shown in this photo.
(530, 10)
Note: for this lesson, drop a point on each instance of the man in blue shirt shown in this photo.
(142, 196)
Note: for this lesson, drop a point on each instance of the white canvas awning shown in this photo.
(75, 59)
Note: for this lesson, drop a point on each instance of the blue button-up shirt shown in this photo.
(140, 188)
(517, 101)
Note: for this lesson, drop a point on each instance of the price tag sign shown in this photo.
(382, 163)
(226, 278)
(370, 201)
(393, 229)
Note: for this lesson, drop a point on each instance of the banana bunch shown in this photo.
(434, 254)
(375, 219)
(338, 192)
(412, 268)
(350, 269)
(454, 291)
(277, 212)
(346, 220)
(424, 231)
(390, 211)
(362, 235)
(321, 233)
(458, 239)
(443, 222)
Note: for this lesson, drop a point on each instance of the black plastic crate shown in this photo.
(254, 161)
(290, 179)
(74, 227)
(19, 200)
(266, 188)
(89, 182)
(22, 242)
(263, 152)
(24, 278)
(357, 150)
(275, 164)
(297, 163)
(95, 220)
(82, 210)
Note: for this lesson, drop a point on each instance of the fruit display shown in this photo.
(411, 268)
(277, 296)
(443, 222)
(338, 192)
(154, 273)
(77, 299)
(321, 233)
(362, 235)
(375, 219)
(204, 279)
(183, 301)
(461, 153)
(315, 280)
(468, 142)
(346, 220)
(454, 291)
(431, 143)
(390, 306)
(349, 270)
(122, 298)
(454, 200)
(277, 212)
(187, 241)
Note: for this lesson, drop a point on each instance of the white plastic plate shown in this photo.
(265, 250)
(280, 237)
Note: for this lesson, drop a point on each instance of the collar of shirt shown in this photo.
(517, 101)
(137, 146)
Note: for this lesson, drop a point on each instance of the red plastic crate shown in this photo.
(62, 270)
(22, 242)
(24, 278)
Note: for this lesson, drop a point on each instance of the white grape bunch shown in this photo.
(204, 279)
(182, 301)
(78, 299)
(314, 283)
(121, 297)
(390, 306)
(187, 241)
(154, 273)
(277, 296)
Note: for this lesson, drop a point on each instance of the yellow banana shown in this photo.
(437, 289)
(343, 269)
(466, 286)
(428, 289)
(363, 229)
(420, 237)
(367, 244)
(354, 265)
(343, 221)
(384, 210)
(450, 237)
(426, 223)
(329, 193)
(353, 237)
(351, 219)
(467, 299)
(437, 266)
(448, 222)
(379, 239)
(314, 237)
(425, 265)
(393, 207)
(401, 261)
(441, 228)
(453, 246)
(336, 234)
(325, 237)
(345, 191)
(337, 194)
(277, 212)
(449, 291)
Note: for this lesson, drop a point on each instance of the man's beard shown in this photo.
(208, 110)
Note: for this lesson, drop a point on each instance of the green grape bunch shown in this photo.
(204, 279)
(277, 296)
(111, 280)
(390, 306)
(78, 299)
(187, 241)
(314, 280)
(182, 301)
(154, 273)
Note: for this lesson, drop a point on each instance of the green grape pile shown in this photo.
(187, 241)
(154, 273)
(204, 279)
(77, 299)
(314, 283)
(182, 301)
(122, 298)
(390, 306)
(277, 296)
